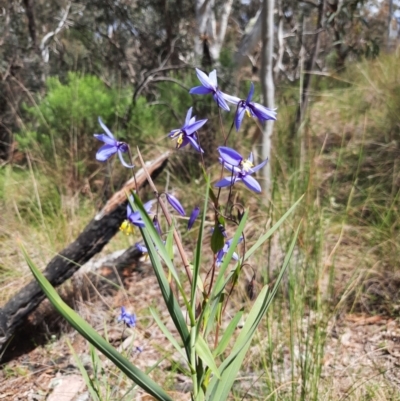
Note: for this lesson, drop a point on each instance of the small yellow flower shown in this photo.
(127, 227)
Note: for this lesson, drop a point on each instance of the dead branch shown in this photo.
(94, 237)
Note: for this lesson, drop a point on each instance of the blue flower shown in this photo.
(240, 168)
(221, 253)
(134, 218)
(128, 318)
(141, 248)
(175, 204)
(193, 217)
(185, 134)
(111, 146)
(209, 85)
(252, 109)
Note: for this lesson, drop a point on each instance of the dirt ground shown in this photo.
(361, 350)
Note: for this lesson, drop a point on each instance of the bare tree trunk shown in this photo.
(267, 86)
(210, 35)
(389, 33)
(249, 41)
(305, 86)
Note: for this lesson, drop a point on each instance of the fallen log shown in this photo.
(93, 238)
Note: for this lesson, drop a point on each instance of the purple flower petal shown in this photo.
(128, 318)
(263, 113)
(124, 163)
(213, 78)
(194, 143)
(261, 165)
(205, 80)
(239, 117)
(200, 90)
(105, 152)
(219, 98)
(251, 183)
(194, 127)
(106, 139)
(188, 116)
(231, 99)
(176, 204)
(230, 155)
(251, 93)
(173, 132)
(106, 130)
(225, 182)
(193, 217)
(141, 248)
(156, 225)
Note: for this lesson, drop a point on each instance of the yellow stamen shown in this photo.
(246, 165)
(179, 141)
(127, 227)
(248, 113)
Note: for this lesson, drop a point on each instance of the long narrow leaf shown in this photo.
(167, 333)
(224, 341)
(95, 338)
(152, 240)
(268, 234)
(218, 286)
(218, 390)
(203, 351)
(197, 258)
(89, 383)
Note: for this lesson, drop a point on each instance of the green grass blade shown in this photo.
(203, 351)
(153, 240)
(224, 341)
(167, 333)
(218, 390)
(197, 258)
(268, 234)
(156, 242)
(169, 243)
(218, 287)
(95, 338)
(89, 383)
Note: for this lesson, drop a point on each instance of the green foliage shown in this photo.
(33, 196)
(64, 120)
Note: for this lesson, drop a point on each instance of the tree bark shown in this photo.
(94, 237)
(210, 35)
(250, 40)
(267, 87)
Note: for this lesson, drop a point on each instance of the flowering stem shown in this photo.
(230, 130)
(133, 172)
(201, 153)
(222, 126)
(164, 208)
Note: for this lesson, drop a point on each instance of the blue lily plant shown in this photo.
(196, 290)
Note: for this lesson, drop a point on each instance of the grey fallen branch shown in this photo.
(91, 241)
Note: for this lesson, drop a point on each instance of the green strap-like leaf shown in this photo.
(167, 333)
(197, 256)
(268, 234)
(218, 390)
(153, 240)
(203, 351)
(95, 338)
(224, 341)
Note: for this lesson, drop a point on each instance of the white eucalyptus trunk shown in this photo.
(267, 87)
(211, 25)
(249, 41)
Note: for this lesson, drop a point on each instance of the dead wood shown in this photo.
(94, 237)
